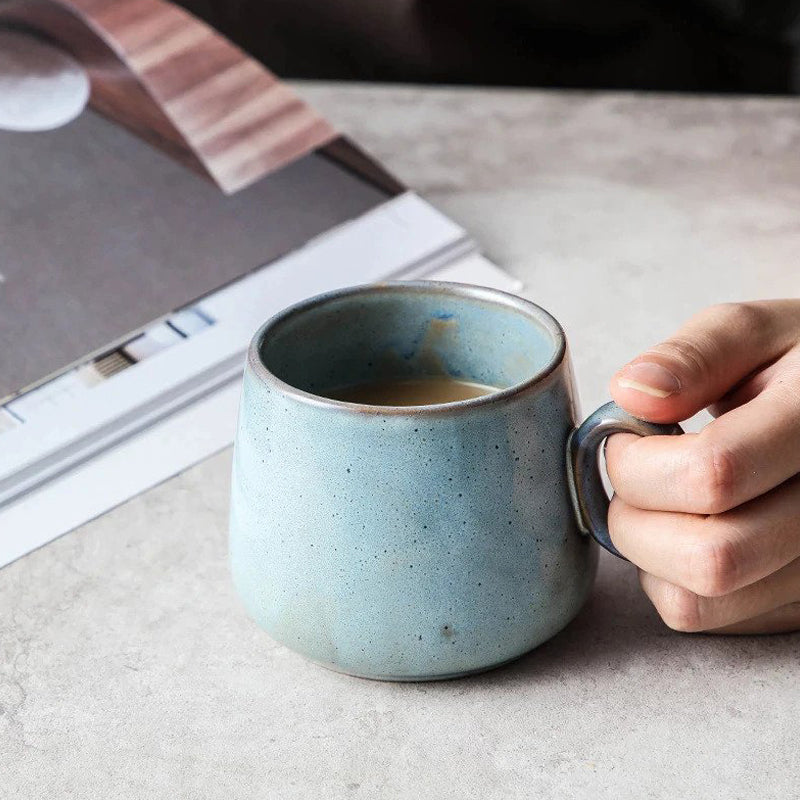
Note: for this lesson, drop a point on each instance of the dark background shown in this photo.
(681, 45)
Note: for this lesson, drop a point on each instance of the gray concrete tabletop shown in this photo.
(129, 670)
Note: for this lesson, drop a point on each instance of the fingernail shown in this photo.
(649, 378)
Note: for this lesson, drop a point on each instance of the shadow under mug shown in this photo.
(424, 542)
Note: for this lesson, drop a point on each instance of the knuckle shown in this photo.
(714, 477)
(680, 609)
(698, 353)
(750, 317)
(714, 566)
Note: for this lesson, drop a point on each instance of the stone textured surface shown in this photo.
(129, 670)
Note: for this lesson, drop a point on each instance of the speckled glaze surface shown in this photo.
(408, 543)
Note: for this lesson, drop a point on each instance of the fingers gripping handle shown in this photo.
(583, 449)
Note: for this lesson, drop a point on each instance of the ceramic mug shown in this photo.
(414, 543)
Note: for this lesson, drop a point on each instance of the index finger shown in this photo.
(711, 555)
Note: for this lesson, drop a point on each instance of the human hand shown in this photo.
(712, 519)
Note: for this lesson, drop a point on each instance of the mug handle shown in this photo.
(589, 497)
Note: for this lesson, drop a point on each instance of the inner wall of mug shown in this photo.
(394, 333)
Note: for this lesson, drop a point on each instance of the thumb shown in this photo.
(703, 361)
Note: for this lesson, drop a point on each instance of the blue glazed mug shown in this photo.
(423, 542)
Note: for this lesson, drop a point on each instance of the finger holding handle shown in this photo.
(583, 469)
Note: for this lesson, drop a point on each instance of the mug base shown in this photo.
(449, 676)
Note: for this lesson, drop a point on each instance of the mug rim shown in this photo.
(256, 365)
